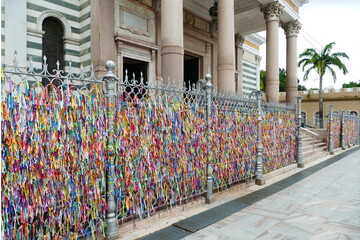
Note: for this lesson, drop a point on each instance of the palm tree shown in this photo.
(322, 62)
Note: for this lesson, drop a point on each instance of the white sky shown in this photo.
(325, 21)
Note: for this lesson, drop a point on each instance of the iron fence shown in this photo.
(343, 130)
(53, 154)
(83, 153)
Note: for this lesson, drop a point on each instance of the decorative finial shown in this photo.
(208, 77)
(110, 65)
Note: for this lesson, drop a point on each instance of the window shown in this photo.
(354, 113)
(316, 118)
(53, 45)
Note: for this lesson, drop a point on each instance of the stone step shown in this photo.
(307, 143)
(312, 152)
(311, 147)
(311, 137)
(315, 156)
(318, 155)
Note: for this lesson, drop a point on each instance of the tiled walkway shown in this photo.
(321, 202)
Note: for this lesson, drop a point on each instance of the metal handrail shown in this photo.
(311, 132)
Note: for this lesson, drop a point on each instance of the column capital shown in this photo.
(292, 28)
(272, 11)
(239, 40)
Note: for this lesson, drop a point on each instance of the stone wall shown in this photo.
(345, 99)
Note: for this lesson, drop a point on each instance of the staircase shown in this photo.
(314, 147)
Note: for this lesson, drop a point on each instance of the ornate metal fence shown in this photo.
(343, 130)
(161, 146)
(53, 154)
(351, 130)
(233, 131)
(81, 154)
(279, 136)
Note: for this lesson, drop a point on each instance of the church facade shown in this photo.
(166, 40)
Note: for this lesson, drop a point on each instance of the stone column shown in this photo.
(291, 31)
(239, 41)
(226, 42)
(272, 13)
(172, 41)
(103, 46)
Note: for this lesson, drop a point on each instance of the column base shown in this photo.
(260, 181)
(301, 165)
(113, 236)
(112, 229)
(210, 200)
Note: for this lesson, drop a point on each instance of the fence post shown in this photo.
(112, 229)
(331, 134)
(342, 135)
(209, 180)
(300, 160)
(259, 179)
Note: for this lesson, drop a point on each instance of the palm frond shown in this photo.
(327, 49)
(340, 54)
(338, 63)
(304, 63)
(332, 73)
(307, 72)
(309, 52)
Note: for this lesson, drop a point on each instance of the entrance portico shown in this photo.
(180, 26)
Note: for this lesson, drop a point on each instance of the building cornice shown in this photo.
(255, 39)
(136, 42)
(300, 3)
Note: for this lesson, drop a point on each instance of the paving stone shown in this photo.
(320, 202)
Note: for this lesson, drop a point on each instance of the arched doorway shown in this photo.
(53, 45)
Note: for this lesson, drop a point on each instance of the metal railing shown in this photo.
(102, 150)
(343, 130)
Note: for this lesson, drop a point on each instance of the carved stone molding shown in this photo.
(292, 28)
(70, 40)
(213, 28)
(137, 53)
(152, 55)
(213, 12)
(272, 11)
(258, 59)
(35, 32)
(157, 5)
(208, 48)
(119, 45)
(239, 40)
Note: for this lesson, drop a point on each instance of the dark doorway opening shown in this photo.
(131, 68)
(191, 70)
(53, 46)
